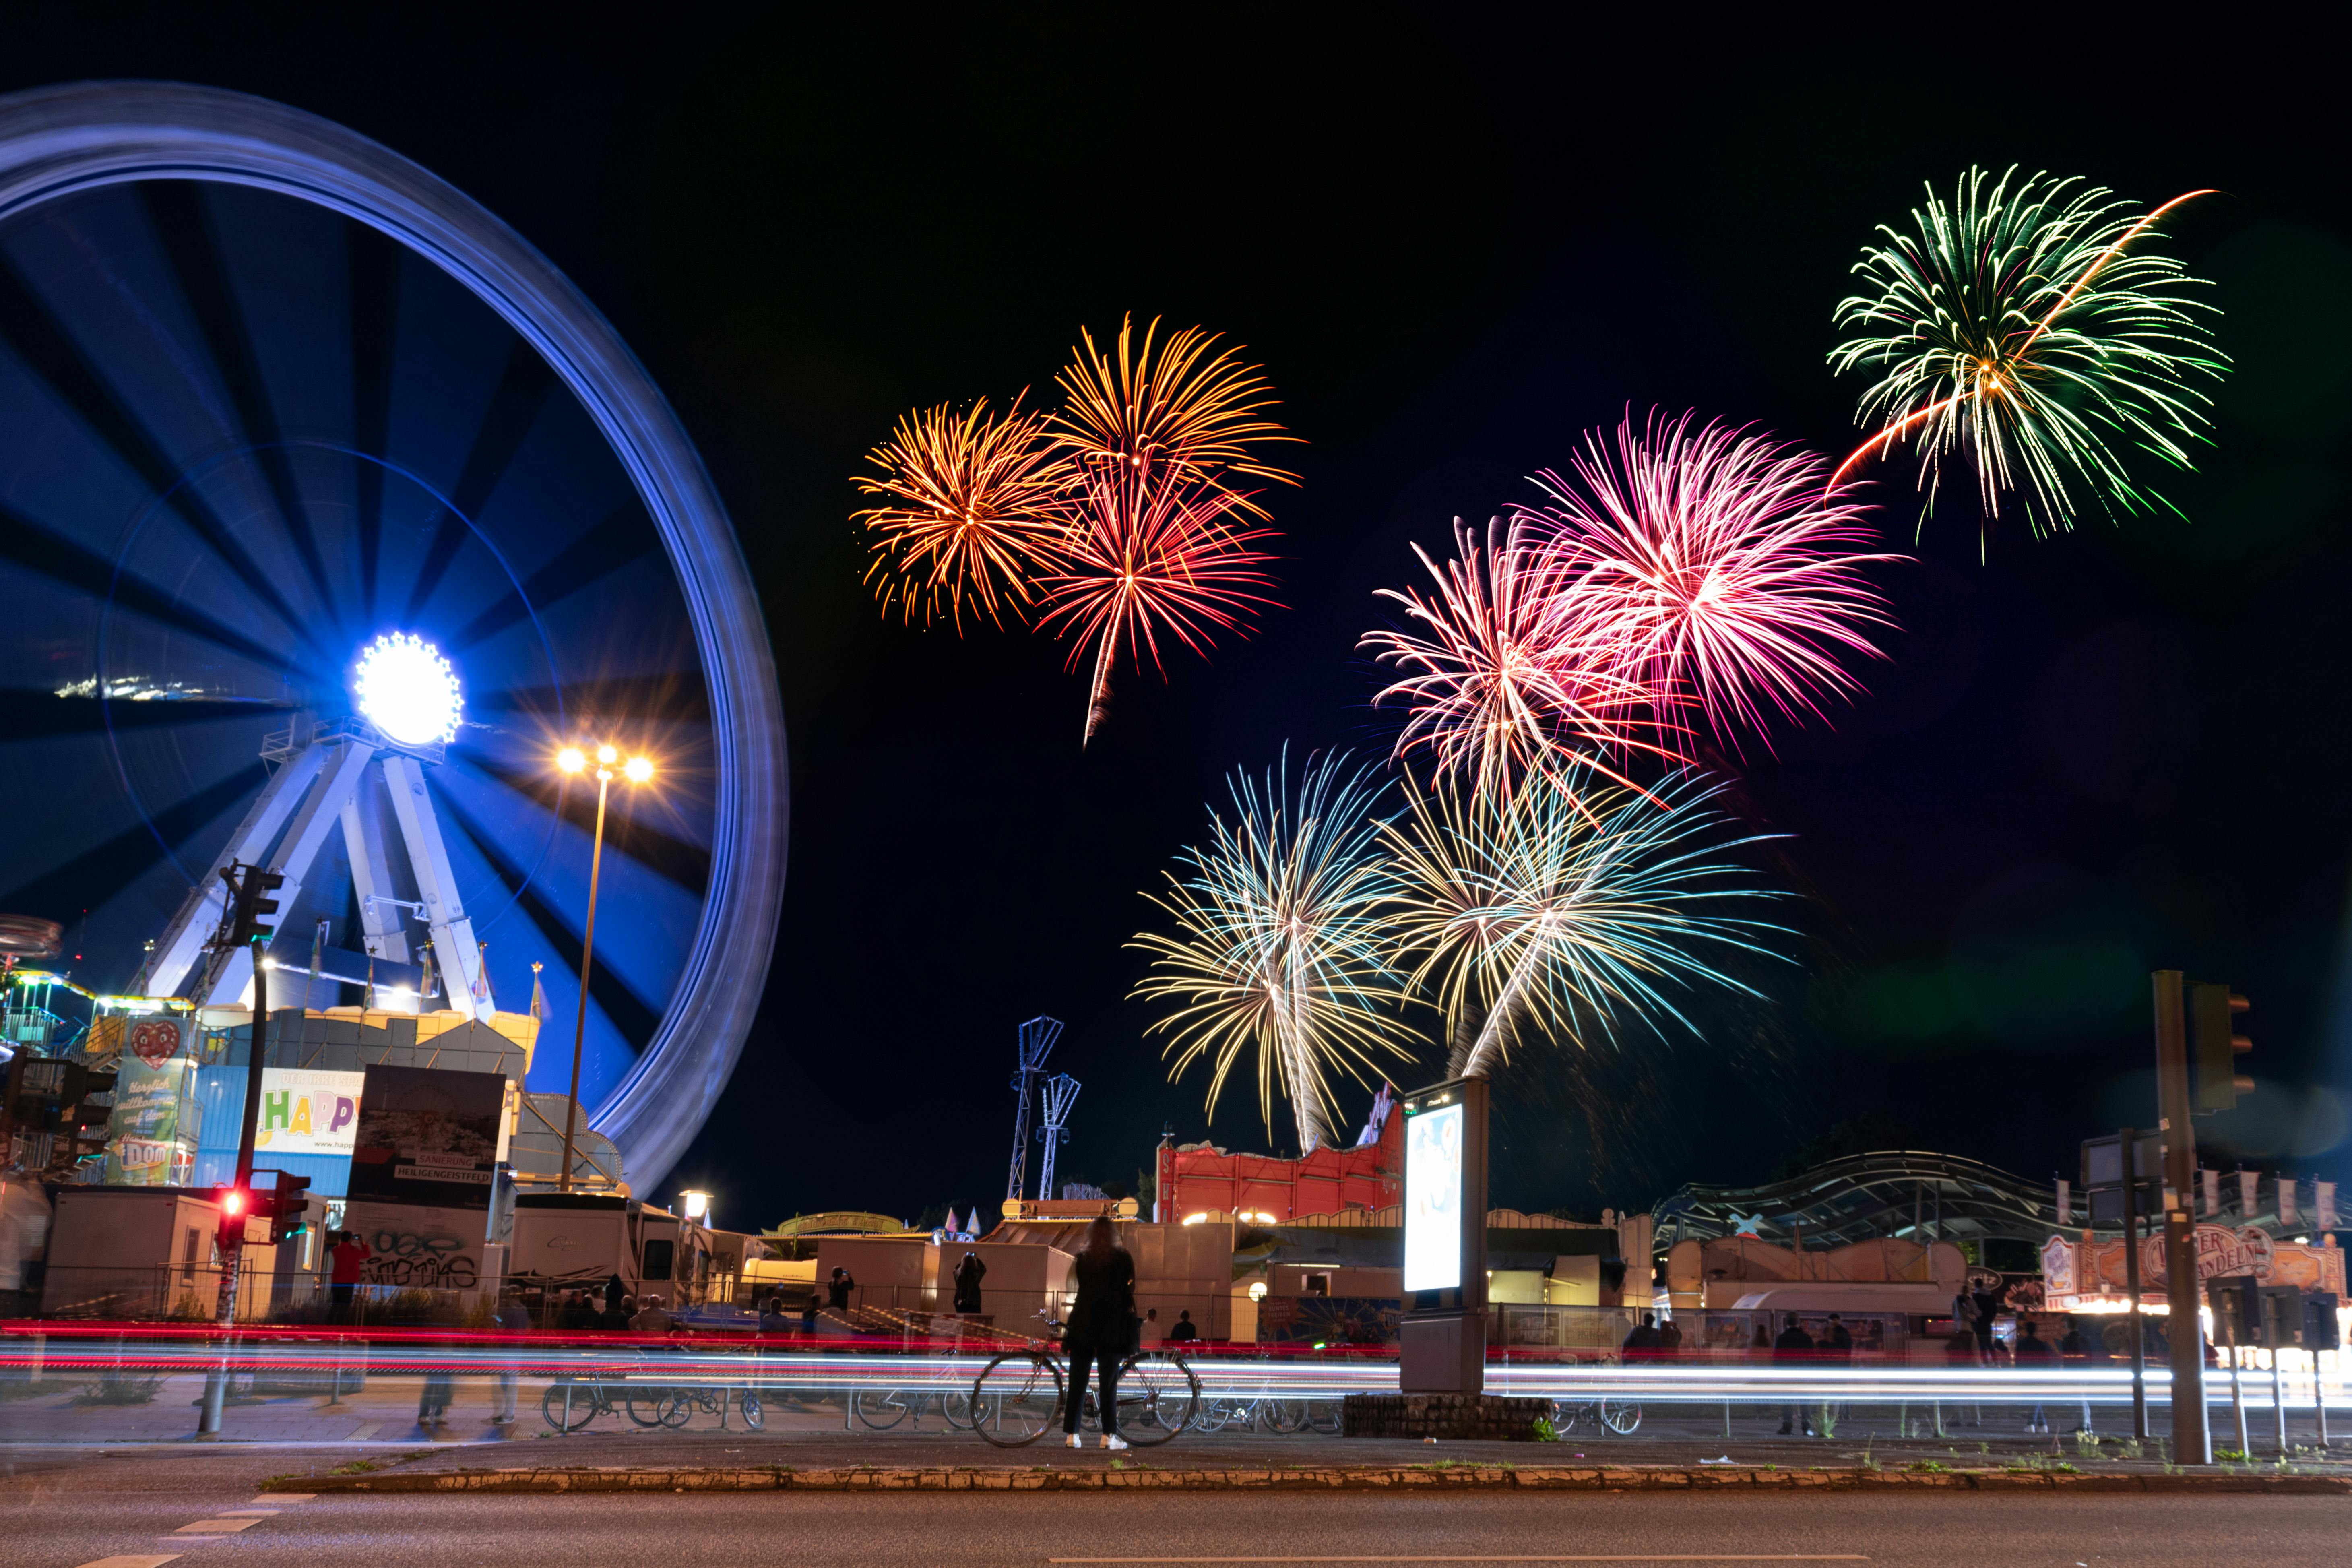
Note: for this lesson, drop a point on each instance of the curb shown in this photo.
(1350, 1478)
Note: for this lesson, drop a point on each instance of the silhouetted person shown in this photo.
(837, 1289)
(615, 1294)
(967, 1276)
(1181, 1331)
(1794, 1348)
(1100, 1333)
(2034, 1355)
(1670, 1340)
(1642, 1344)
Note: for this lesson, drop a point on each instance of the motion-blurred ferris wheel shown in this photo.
(272, 397)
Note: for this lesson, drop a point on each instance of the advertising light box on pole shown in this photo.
(1444, 1327)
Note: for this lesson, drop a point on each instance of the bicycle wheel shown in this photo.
(1211, 1414)
(569, 1406)
(1283, 1416)
(1621, 1417)
(1564, 1416)
(880, 1409)
(1328, 1417)
(651, 1405)
(956, 1407)
(754, 1413)
(1018, 1396)
(1156, 1399)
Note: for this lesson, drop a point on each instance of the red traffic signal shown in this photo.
(233, 1201)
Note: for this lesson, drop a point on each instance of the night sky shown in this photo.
(1454, 246)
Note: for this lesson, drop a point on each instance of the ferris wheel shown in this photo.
(326, 500)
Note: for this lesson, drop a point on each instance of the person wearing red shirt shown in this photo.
(346, 1256)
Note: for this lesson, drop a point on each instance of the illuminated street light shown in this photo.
(698, 1206)
(639, 769)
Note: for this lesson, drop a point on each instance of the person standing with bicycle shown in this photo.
(1101, 1329)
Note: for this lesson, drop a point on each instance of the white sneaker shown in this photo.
(1113, 1440)
(1077, 1441)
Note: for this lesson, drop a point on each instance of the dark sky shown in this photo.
(1454, 246)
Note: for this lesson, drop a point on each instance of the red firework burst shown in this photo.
(1149, 556)
(1500, 678)
(1713, 569)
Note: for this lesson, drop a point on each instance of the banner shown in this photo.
(304, 1111)
(152, 1137)
(2323, 1197)
(2249, 1182)
(2065, 1208)
(420, 1246)
(2287, 1209)
(428, 1136)
(2212, 1182)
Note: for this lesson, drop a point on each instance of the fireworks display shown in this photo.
(1169, 408)
(1711, 571)
(1565, 908)
(1500, 678)
(1118, 522)
(2026, 326)
(1279, 955)
(967, 515)
(1150, 557)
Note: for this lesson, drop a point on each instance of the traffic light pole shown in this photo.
(2192, 1437)
(2129, 1144)
(232, 1237)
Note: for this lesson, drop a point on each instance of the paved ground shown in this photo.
(142, 1506)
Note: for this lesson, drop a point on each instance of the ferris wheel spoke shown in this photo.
(524, 387)
(190, 239)
(623, 539)
(98, 874)
(60, 561)
(371, 263)
(32, 331)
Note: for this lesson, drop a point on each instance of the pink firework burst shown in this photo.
(1147, 553)
(1495, 680)
(1713, 569)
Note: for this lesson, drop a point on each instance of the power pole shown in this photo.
(2192, 1440)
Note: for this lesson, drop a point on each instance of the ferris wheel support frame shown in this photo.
(60, 141)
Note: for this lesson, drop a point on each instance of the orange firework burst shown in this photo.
(968, 516)
(1150, 554)
(1150, 406)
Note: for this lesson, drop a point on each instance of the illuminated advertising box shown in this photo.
(1433, 1199)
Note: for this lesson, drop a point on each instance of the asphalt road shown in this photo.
(67, 1510)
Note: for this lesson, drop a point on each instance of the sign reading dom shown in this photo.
(427, 1136)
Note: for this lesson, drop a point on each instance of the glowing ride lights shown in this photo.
(572, 761)
(408, 691)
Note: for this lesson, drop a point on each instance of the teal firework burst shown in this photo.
(1279, 952)
(2028, 328)
(1570, 907)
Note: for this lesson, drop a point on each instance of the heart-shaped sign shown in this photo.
(155, 1041)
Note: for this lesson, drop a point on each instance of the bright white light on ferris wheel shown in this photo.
(406, 690)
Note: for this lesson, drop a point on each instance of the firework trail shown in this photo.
(1500, 681)
(1172, 407)
(1565, 907)
(1278, 948)
(1711, 570)
(2018, 326)
(1145, 556)
(968, 512)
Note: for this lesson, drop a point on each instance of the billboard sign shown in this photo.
(1433, 1198)
(151, 1138)
(418, 1247)
(304, 1111)
(428, 1136)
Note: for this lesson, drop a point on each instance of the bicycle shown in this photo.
(574, 1399)
(882, 1409)
(1017, 1397)
(1618, 1415)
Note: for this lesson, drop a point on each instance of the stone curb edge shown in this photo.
(1463, 1477)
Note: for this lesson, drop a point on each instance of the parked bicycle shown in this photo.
(1618, 1415)
(1017, 1397)
(884, 1408)
(633, 1388)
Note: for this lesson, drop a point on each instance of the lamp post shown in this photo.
(571, 759)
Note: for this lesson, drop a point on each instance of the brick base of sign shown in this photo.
(1492, 1417)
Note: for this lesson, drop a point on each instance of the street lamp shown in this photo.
(572, 760)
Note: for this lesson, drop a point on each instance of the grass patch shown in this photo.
(9, 1391)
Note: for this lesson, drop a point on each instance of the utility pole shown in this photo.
(2192, 1440)
(247, 909)
(2129, 1142)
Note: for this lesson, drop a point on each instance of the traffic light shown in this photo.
(2237, 1303)
(2213, 1010)
(235, 1204)
(286, 1204)
(2320, 1331)
(251, 908)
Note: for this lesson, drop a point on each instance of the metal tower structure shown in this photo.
(1054, 1097)
(348, 776)
(1037, 1038)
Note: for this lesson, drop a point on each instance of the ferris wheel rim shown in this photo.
(58, 142)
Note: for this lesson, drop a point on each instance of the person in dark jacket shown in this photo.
(578, 1312)
(1642, 1344)
(2078, 1350)
(1184, 1330)
(1794, 1348)
(837, 1289)
(1100, 1332)
(2034, 1355)
(967, 1276)
(613, 1291)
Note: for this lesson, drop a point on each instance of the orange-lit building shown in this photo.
(1200, 1179)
